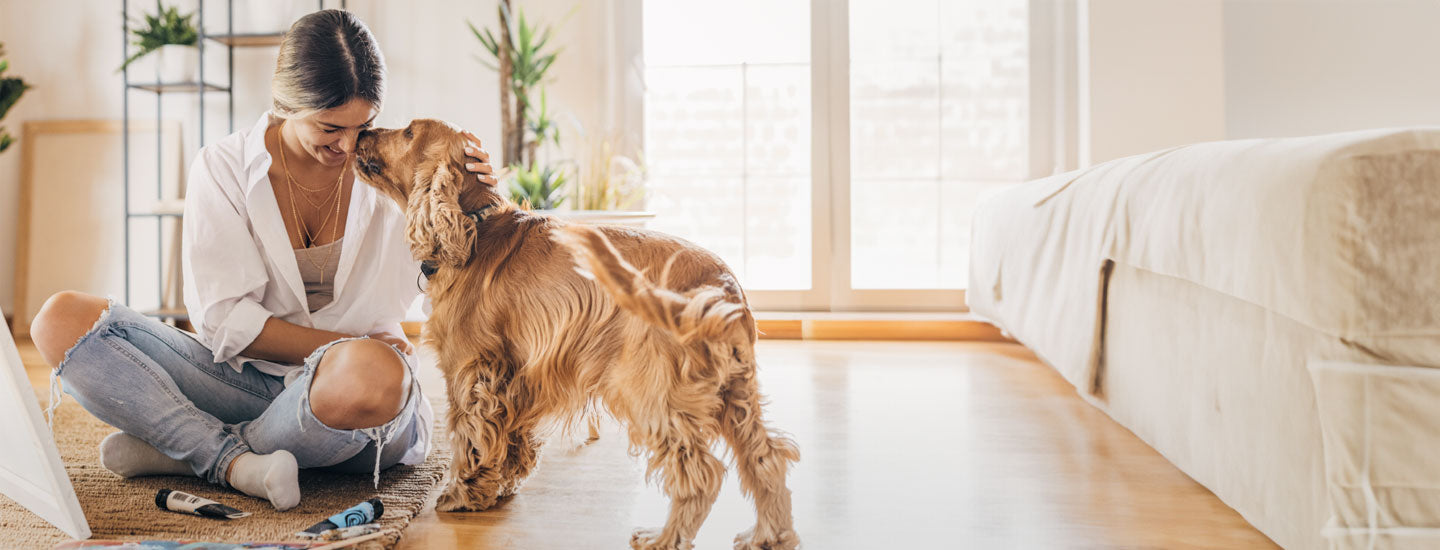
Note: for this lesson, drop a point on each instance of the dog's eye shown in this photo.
(409, 134)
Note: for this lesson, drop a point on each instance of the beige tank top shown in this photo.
(319, 281)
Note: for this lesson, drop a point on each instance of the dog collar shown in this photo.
(428, 268)
(479, 214)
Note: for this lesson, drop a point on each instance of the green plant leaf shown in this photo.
(541, 188)
(486, 39)
(488, 64)
(11, 89)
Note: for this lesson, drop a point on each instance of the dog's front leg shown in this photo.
(522, 455)
(480, 445)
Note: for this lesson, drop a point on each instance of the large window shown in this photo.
(832, 151)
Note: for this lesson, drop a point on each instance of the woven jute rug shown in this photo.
(119, 508)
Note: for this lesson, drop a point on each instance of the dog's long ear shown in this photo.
(437, 229)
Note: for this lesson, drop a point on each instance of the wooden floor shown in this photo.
(905, 445)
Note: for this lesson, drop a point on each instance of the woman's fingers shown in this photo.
(476, 148)
(477, 153)
(480, 167)
(483, 171)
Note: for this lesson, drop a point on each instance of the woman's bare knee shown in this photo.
(359, 384)
(62, 320)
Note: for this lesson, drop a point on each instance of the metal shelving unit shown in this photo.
(200, 88)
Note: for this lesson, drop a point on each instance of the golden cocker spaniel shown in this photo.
(536, 319)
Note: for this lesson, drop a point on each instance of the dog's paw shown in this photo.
(459, 497)
(649, 539)
(510, 487)
(784, 540)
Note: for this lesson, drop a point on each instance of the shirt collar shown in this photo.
(256, 157)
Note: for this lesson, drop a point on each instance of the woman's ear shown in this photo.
(437, 229)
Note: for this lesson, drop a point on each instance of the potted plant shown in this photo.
(521, 56)
(537, 188)
(11, 88)
(172, 38)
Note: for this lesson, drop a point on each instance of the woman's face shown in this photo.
(329, 135)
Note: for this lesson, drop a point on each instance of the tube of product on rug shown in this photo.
(186, 503)
(350, 532)
(359, 514)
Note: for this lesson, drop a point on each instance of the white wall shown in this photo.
(1157, 73)
(1151, 76)
(69, 49)
(1300, 67)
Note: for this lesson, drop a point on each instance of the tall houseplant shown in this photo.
(522, 56)
(11, 88)
(172, 37)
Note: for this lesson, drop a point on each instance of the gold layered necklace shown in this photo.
(308, 239)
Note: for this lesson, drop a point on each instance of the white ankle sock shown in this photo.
(130, 456)
(274, 476)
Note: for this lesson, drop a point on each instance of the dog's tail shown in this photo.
(701, 316)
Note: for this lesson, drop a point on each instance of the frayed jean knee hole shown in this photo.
(380, 435)
(55, 395)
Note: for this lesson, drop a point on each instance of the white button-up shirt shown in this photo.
(240, 269)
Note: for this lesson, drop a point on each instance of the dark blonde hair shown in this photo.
(327, 59)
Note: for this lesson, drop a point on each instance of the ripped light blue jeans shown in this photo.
(158, 383)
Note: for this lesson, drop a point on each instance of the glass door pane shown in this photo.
(939, 98)
(727, 133)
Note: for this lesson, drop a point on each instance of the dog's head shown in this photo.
(422, 168)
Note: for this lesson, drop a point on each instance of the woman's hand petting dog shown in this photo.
(481, 167)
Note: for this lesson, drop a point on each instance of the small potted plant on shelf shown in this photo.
(11, 88)
(172, 38)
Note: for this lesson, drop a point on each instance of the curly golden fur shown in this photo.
(536, 319)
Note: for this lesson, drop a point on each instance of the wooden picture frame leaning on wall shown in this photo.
(70, 233)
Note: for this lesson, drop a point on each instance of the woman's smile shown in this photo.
(332, 154)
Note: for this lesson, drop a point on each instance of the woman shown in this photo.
(297, 280)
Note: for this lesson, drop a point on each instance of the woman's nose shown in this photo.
(347, 141)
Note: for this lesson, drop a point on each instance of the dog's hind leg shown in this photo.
(762, 459)
(689, 474)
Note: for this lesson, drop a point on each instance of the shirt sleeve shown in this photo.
(225, 275)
